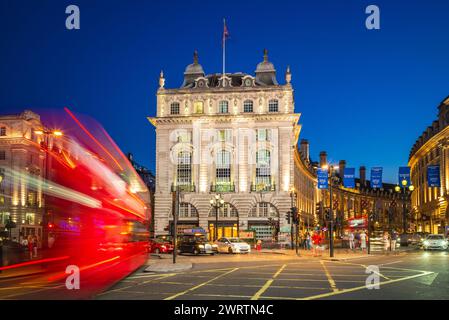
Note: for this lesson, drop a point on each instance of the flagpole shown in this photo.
(224, 47)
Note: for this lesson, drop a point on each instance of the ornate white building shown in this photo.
(20, 152)
(235, 135)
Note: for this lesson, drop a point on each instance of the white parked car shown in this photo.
(435, 241)
(232, 245)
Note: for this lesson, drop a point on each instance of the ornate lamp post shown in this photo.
(216, 202)
(405, 193)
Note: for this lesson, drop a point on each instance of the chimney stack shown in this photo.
(362, 176)
(323, 158)
(304, 149)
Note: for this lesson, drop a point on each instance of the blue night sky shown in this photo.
(365, 95)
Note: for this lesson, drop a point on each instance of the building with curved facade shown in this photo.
(431, 148)
(235, 135)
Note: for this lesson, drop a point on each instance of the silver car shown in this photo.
(435, 241)
(232, 245)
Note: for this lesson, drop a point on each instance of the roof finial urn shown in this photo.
(161, 80)
(265, 55)
(288, 75)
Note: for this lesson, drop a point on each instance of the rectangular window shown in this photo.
(2, 131)
(198, 107)
(248, 106)
(174, 108)
(2, 155)
(30, 218)
(225, 135)
(263, 134)
(223, 107)
(273, 106)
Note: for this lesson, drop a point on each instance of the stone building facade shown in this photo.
(235, 135)
(356, 204)
(20, 152)
(431, 148)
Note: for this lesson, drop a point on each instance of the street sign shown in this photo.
(322, 176)
(376, 177)
(349, 178)
(404, 174)
(433, 176)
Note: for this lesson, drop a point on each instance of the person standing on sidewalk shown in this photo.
(316, 242)
(363, 241)
(351, 240)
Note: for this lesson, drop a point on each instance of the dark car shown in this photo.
(160, 246)
(196, 244)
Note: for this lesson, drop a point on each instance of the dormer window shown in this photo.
(273, 106)
(174, 108)
(248, 106)
(223, 107)
(2, 131)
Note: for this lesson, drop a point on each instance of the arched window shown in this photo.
(187, 210)
(263, 169)
(273, 105)
(174, 108)
(223, 167)
(264, 210)
(223, 107)
(184, 168)
(248, 106)
(227, 211)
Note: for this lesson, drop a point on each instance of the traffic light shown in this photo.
(319, 208)
(287, 216)
(327, 215)
(294, 212)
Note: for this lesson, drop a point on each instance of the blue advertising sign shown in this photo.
(433, 176)
(404, 174)
(322, 178)
(376, 177)
(349, 178)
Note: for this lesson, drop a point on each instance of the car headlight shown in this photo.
(163, 247)
(214, 246)
(426, 243)
(201, 246)
(443, 242)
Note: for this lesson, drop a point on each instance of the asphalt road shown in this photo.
(411, 275)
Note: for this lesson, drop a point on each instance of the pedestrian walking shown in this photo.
(363, 241)
(386, 241)
(316, 242)
(308, 241)
(394, 239)
(351, 240)
(30, 246)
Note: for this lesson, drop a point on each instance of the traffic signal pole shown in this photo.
(331, 213)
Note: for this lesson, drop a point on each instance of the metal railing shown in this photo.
(229, 187)
(183, 188)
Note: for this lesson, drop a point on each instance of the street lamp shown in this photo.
(46, 133)
(405, 192)
(216, 202)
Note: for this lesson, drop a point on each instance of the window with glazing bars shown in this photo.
(223, 107)
(223, 167)
(263, 168)
(263, 134)
(184, 169)
(273, 106)
(248, 106)
(174, 108)
(2, 131)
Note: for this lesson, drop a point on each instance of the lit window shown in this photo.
(2, 131)
(223, 107)
(198, 106)
(248, 106)
(223, 167)
(174, 108)
(263, 169)
(273, 106)
(184, 169)
(30, 218)
(225, 135)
